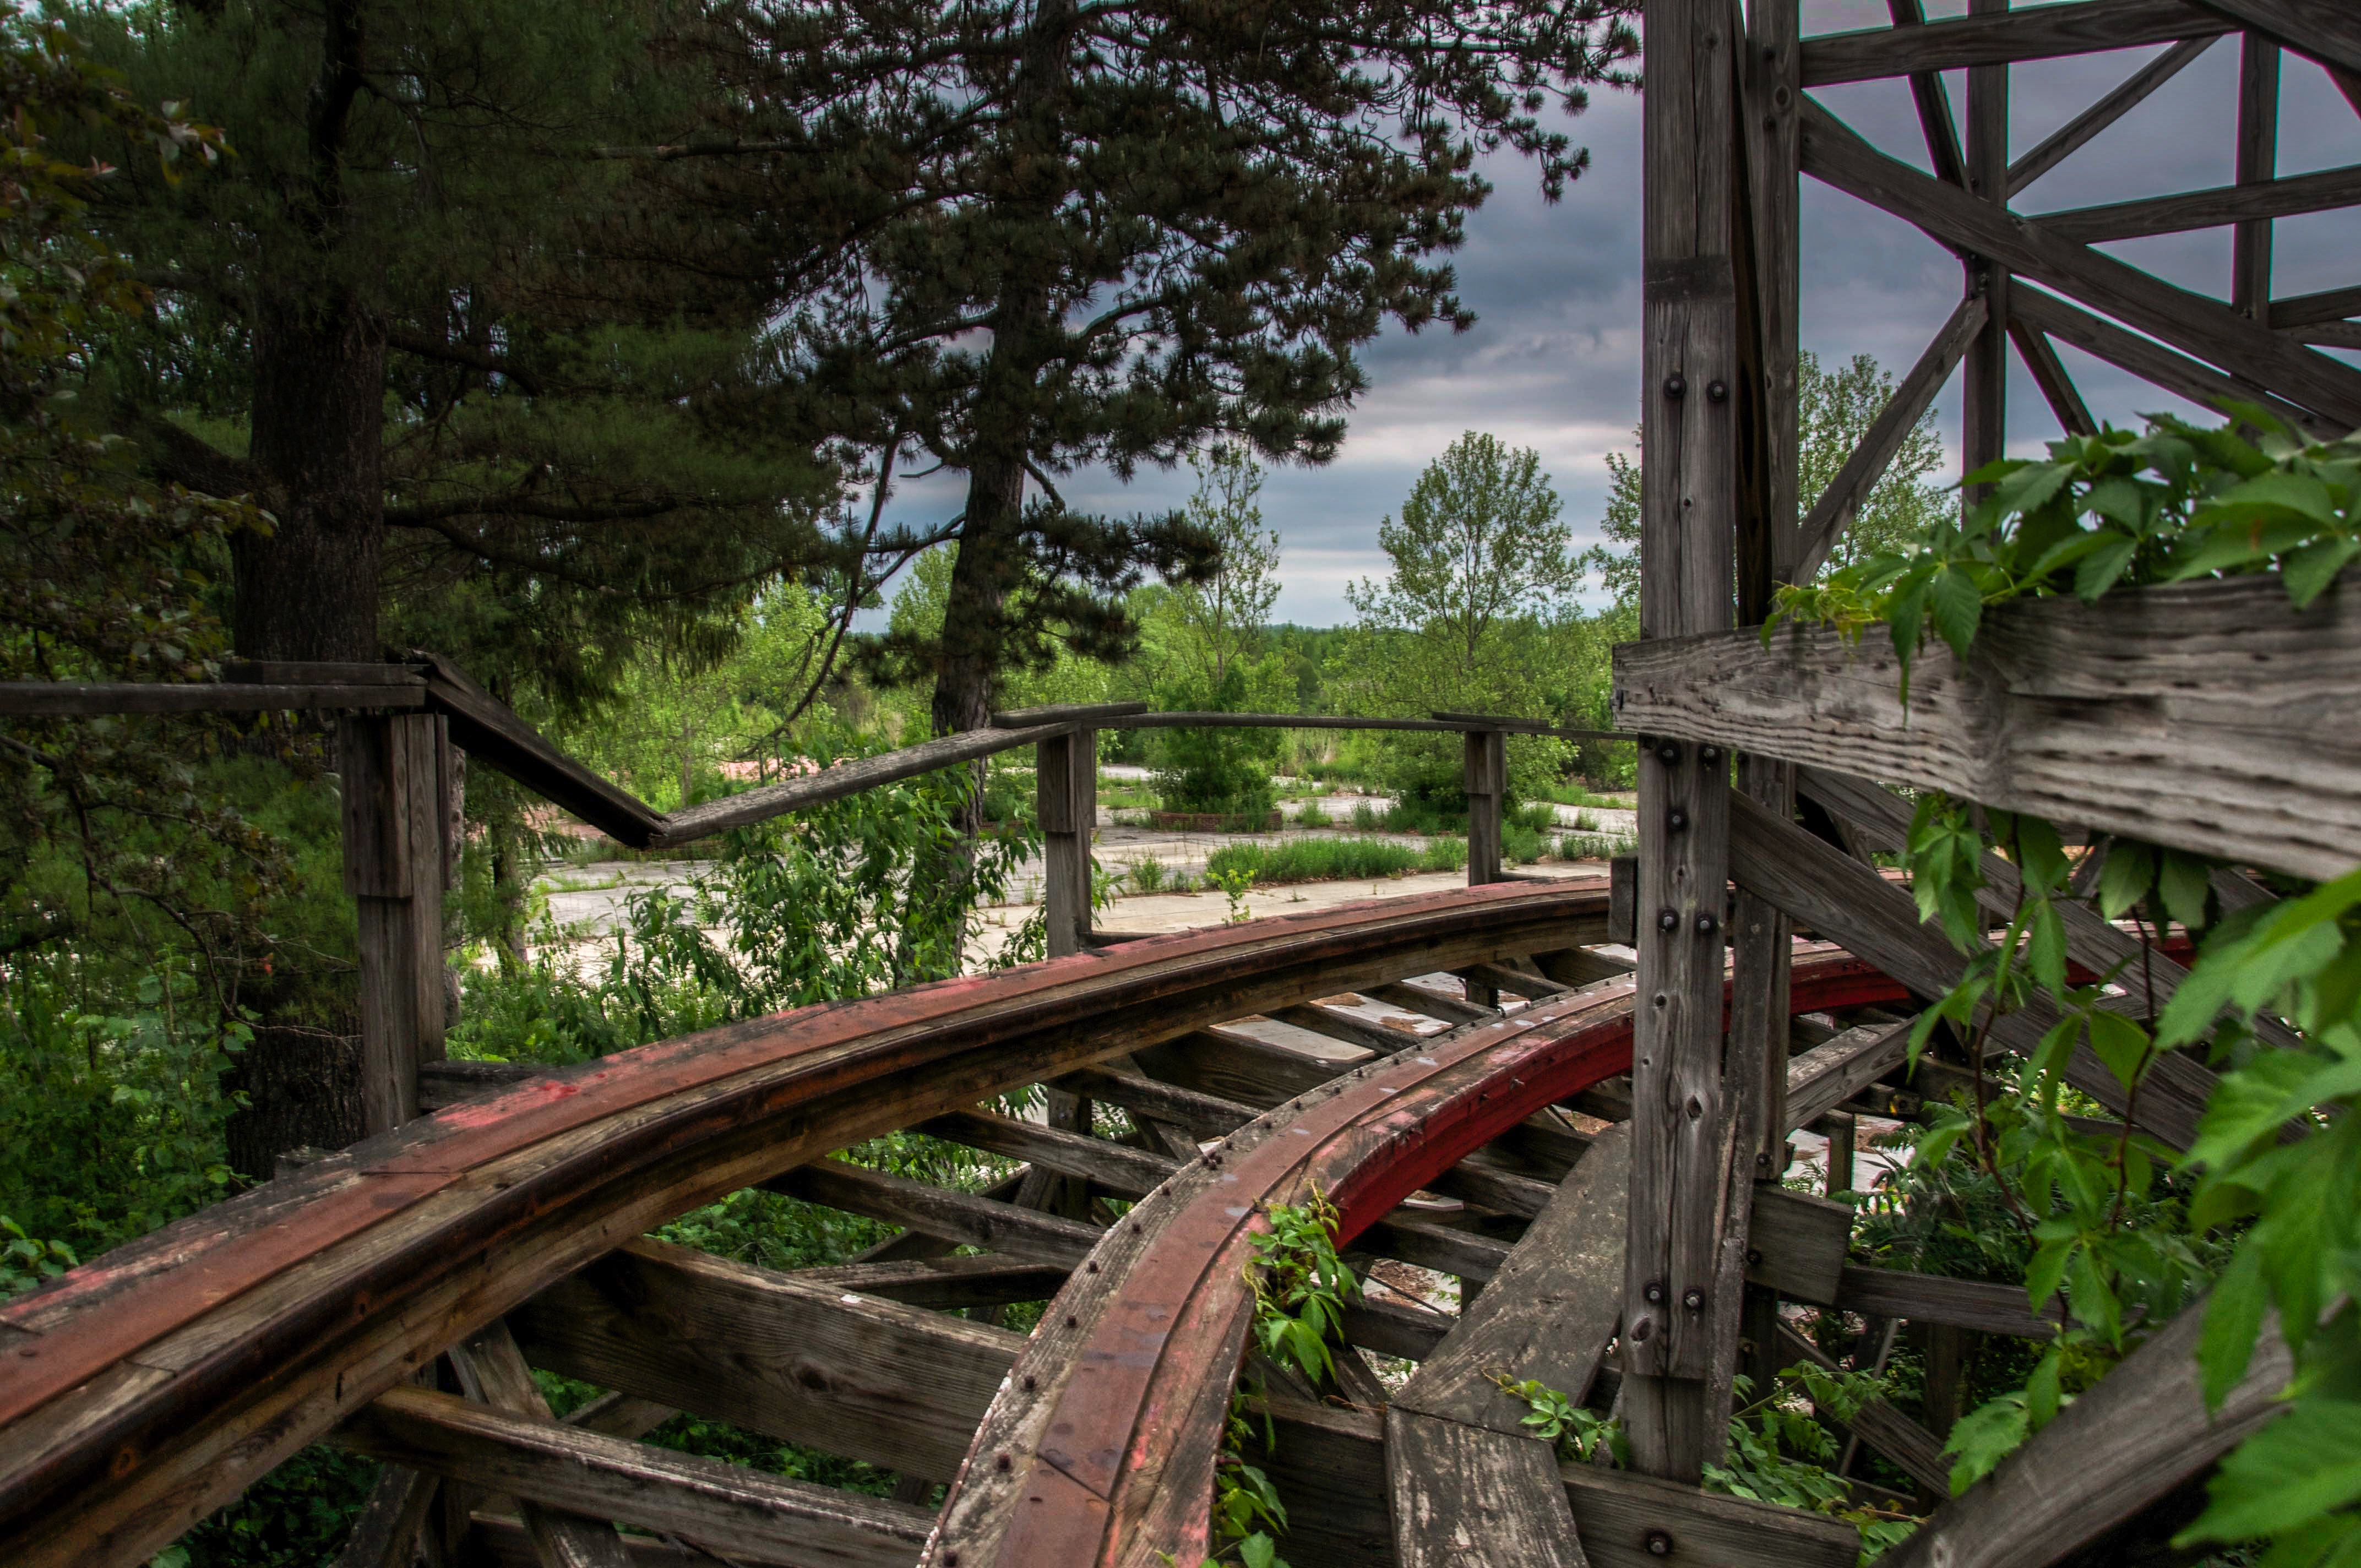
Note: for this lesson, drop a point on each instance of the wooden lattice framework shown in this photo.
(395, 1297)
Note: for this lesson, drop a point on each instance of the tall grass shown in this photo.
(1334, 859)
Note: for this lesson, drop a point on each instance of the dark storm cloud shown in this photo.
(1555, 362)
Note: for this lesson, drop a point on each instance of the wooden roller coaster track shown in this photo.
(1596, 1096)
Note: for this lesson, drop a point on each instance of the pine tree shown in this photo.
(1048, 234)
(499, 395)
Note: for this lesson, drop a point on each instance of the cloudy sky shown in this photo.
(1555, 362)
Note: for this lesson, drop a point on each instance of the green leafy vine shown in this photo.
(2122, 1231)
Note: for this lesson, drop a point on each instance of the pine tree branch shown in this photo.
(181, 457)
(426, 346)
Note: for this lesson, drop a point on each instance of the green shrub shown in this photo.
(1146, 874)
(1334, 859)
(1312, 816)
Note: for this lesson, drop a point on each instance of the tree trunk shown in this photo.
(309, 591)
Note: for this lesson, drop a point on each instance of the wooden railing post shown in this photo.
(1487, 782)
(397, 851)
(1066, 776)
(1066, 793)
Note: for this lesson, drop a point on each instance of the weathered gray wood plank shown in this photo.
(1330, 1465)
(794, 1358)
(1834, 153)
(2035, 33)
(2141, 1431)
(2265, 198)
(1932, 1299)
(1827, 1076)
(69, 699)
(2186, 714)
(1468, 1496)
(1550, 1310)
(494, 1373)
(721, 1506)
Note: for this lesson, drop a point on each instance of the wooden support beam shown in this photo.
(1849, 904)
(2151, 360)
(1827, 1076)
(940, 1282)
(723, 1507)
(2258, 151)
(960, 1217)
(1984, 403)
(395, 866)
(2048, 372)
(1833, 512)
(2328, 305)
(385, 1535)
(1883, 818)
(2139, 1433)
(1911, 1448)
(1329, 1464)
(1933, 102)
(1832, 152)
(2077, 133)
(1080, 712)
(1691, 358)
(2326, 30)
(1932, 1299)
(1066, 796)
(798, 1359)
(2139, 714)
(1550, 1310)
(2248, 203)
(494, 1373)
(1345, 1028)
(836, 782)
(1429, 1002)
(2035, 33)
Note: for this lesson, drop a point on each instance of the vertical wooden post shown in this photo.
(2258, 156)
(1486, 778)
(1689, 501)
(1841, 1131)
(1066, 796)
(1984, 429)
(396, 862)
(1066, 799)
(1755, 1065)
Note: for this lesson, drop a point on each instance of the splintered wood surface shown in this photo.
(1549, 1313)
(1468, 1497)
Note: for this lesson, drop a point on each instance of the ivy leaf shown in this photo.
(2311, 569)
(2126, 877)
(2234, 1316)
(2047, 1271)
(2104, 564)
(2040, 853)
(1984, 1437)
(2044, 954)
(2123, 1045)
(2185, 881)
(2303, 1465)
(1258, 1551)
(1958, 608)
(2041, 1391)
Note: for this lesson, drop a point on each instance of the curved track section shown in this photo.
(144, 1389)
(1100, 1450)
